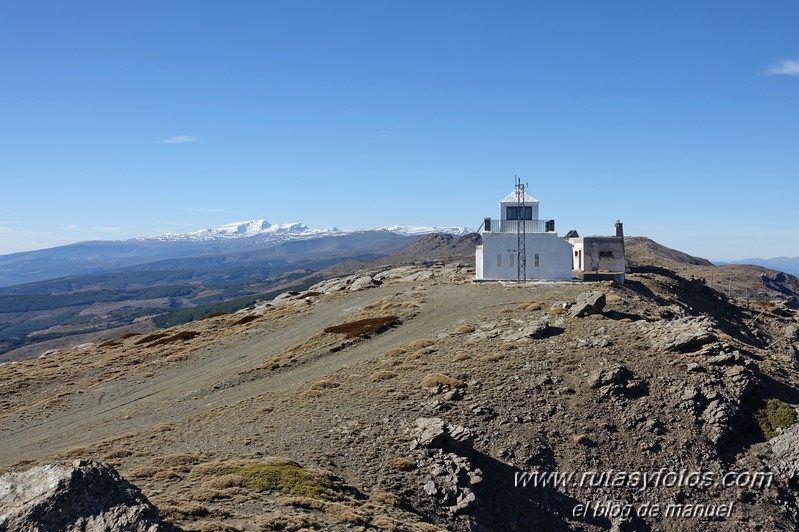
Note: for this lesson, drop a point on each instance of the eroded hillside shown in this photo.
(410, 398)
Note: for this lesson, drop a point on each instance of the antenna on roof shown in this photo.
(521, 233)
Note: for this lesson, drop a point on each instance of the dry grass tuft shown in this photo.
(150, 338)
(441, 379)
(183, 336)
(381, 375)
(225, 482)
(346, 514)
(166, 474)
(464, 329)
(144, 472)
(460, 357)
(365, 327)
(214, 315)
(491, 358)
(247, 319)
(178, 460)
(325, 384)
(163, 427)
(537, 305)
(404, 463)
(76, 452)
(386, 498)
(170, 512)
(111, 343)
(301, 502)
(215, 526)
(508, 346)
(421, 343)
(396, 352)
(219, 467)
(117, 454)
(177, 357)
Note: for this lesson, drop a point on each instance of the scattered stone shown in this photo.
(722, 359)
(583, 439)
(535, 329)
(617, 381)
(451, 482)
(614, 374)
(588, 303)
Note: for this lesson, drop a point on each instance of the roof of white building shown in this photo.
(511, 198)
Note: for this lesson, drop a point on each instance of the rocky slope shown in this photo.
(409, 398)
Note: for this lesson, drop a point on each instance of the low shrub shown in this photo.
(284, 476)
(441, 379)
(772, 415)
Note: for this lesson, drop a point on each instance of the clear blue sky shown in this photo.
(122, 119)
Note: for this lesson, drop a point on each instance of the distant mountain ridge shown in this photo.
(289, 231)
(253, 244)
(783, 264)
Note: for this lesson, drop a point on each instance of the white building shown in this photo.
(596, 257)
(547, 255)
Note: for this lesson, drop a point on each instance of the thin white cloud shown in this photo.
(180, 139)
(786, 67)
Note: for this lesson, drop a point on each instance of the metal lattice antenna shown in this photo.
(521, 234)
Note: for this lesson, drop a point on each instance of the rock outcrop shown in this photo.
(451, 476)
(84, 495)
(588, 303)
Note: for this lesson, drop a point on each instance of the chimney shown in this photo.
(618, 229)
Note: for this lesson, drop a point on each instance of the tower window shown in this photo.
(605, 254)
(519, 213)
(499, 260)
(537, 260)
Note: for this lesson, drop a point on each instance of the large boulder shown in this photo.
(434, 432)
(84, 495)
(588, 303)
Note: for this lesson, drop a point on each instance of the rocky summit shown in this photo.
(407, 397)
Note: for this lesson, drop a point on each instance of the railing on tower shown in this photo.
(511, 226)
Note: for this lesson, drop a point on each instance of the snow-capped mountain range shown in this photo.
(253, 244)
(289, 231)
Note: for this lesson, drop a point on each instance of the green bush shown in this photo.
(772, 415)
(286, 477)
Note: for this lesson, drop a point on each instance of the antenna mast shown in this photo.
(521, 234)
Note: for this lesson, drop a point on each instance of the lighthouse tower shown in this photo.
(520, 246)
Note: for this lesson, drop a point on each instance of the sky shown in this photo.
(125, 119)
